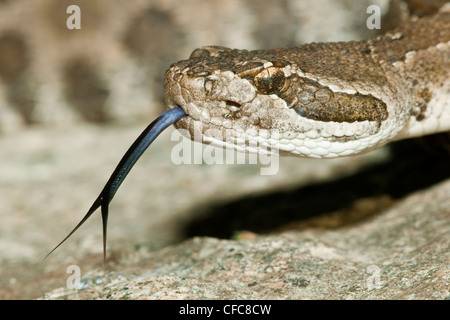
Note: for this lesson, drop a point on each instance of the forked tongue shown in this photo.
(123, 168)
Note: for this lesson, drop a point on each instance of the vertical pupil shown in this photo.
(266, 81)
(270, 80)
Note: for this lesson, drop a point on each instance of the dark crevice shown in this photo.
(415, 164)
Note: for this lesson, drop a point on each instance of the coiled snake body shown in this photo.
(316, 100)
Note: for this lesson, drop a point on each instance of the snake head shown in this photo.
(229, 96)
(237, 98)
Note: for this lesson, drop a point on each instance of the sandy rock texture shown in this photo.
(71, 102)
(401, 253)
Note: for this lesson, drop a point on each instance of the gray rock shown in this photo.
(401, 253)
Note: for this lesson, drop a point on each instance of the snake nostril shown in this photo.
(232, 105)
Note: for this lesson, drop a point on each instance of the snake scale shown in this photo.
(319, 100)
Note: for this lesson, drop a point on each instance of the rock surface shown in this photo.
(401, 253)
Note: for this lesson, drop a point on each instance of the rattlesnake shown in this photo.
(320, 100)
(316, 100)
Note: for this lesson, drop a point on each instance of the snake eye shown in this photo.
(270, 80)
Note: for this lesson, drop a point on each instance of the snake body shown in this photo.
(320, 100)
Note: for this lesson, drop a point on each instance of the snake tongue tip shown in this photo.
(105, 227)
(128, 160)
(99, 201)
